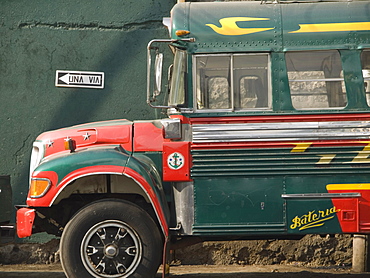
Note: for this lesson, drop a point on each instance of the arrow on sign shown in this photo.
(79, 79)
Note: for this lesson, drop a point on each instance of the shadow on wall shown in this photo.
(124, 65)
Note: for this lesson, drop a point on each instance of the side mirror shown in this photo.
(152, 93)
(158, 66)
(169, 77)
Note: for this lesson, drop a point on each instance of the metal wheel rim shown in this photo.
(111, 249)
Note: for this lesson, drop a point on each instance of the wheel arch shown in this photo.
(127, 185)
(100, 183)
(101, 171)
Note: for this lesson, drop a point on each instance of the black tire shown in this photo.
(111, 238)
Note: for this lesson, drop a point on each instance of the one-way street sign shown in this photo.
(79, 79)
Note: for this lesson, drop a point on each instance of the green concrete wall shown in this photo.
(39, 37)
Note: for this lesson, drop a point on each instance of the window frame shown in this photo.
(231, 56)
(329, 79)
(365, 78)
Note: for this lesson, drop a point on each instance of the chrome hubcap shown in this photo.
(111, 249)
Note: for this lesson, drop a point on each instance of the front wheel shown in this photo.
(111, 239)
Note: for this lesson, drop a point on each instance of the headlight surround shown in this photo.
(39, 187)
(38, 152)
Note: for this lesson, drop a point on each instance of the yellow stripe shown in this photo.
(326, 158)
(300, 147)
(333, 27)
(348, 186)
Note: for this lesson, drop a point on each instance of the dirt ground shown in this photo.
(311, 251)
(310, 257)
(198, 271)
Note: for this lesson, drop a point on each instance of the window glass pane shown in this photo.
(218, 92)
(316, 79)
(232, 82)
(250, 81)
(177, 91)
(365, 60)
(213, 86)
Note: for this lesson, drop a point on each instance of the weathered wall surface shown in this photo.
(40, 37)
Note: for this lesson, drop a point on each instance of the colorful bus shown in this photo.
(267, 135)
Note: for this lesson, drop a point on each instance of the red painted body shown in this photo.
(171, 173)
(354, 213)
(25, 220)
(100, 133)
(148, 137)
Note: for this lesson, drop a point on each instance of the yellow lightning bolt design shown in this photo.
(230, 28)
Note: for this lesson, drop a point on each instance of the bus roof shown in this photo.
(254, 26)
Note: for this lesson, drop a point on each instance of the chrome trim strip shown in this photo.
(321, 195)
(247, 228)
(317, 80)
(37, 154)
(286, 131)
(61, 188)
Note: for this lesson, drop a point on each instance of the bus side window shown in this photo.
(213, 88)
(232, 82)
(250, 72)
(316, 79)
(365, 61)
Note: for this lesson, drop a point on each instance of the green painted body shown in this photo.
(67, 163)
(282, 19)
(195, 16)
(239, 191)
